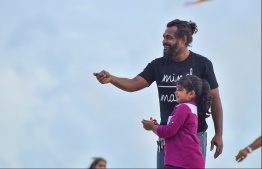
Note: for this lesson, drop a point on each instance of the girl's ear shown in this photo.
(193, 94)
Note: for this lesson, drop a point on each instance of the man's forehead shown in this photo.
(170, 30)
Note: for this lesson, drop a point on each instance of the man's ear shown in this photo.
(184, 40)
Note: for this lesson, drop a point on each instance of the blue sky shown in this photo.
(55, 114)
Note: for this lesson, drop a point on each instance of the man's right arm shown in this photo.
(129, 85)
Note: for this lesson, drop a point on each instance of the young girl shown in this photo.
(182, 149)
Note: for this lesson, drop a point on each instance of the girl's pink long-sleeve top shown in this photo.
(182, 147)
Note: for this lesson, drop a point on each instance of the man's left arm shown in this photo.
(217, 115)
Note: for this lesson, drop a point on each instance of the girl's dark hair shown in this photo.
(184, 28)
(96, 160)
(201, 87)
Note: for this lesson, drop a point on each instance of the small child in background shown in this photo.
(98, 163)
(182, 149)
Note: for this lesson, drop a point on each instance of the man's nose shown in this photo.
(164, 41)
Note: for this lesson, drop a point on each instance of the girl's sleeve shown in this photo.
(178, 119)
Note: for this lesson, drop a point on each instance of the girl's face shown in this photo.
(100, 165)
(182, 95)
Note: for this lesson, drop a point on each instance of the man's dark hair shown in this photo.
(184, 28)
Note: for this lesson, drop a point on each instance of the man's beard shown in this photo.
(173, 51)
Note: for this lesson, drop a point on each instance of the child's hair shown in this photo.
(201, 87)
(96, 160)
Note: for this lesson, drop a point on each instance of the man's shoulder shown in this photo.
(159, 59)
(198, 56)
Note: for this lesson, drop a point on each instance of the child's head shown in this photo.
(191, 87)
(98, 163)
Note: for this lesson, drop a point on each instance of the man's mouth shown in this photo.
(166, 47)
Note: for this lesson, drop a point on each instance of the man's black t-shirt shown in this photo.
(165, 71)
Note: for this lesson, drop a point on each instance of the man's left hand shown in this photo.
(218, 142)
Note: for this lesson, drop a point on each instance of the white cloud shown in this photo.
(20, 105)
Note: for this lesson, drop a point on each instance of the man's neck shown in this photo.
(182, 55)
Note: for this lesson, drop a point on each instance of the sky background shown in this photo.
(55, 114)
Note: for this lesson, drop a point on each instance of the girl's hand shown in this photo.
(147, 124)
(154, 121)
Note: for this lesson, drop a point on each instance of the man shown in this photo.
(177, 61)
